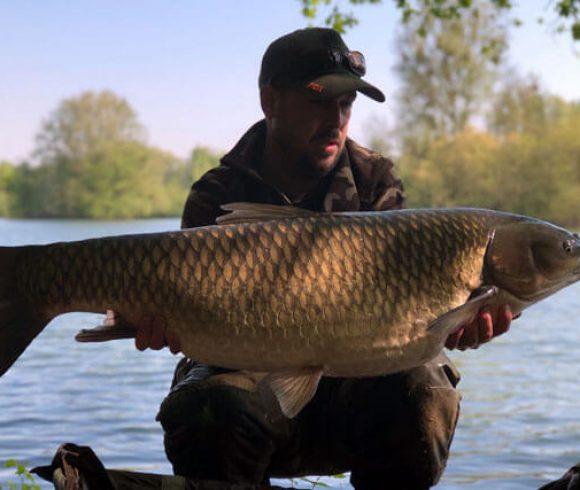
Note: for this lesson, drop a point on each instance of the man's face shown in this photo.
(310, 130)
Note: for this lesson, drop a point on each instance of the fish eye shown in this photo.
(567, 245)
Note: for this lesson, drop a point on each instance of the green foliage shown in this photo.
(91, 161)
(335, 18)
(568, 11)
(447, 66)
(521, 107)
(81, 124)
(527, 162)
(7, 176)
(183, 174)
(119, 180)
(27, 190)
(26, 480)
(530, 165)
(444, 9)
(201, 160)
(447, 170)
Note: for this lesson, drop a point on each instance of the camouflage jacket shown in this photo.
(362, 181)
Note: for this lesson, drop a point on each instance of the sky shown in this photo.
(190, 68)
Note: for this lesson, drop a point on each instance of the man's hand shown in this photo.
(487, 325)
(152, 333)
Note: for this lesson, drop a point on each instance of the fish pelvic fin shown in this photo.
(114, 327)
(452, 320)
(294, 389)
(245, 212)
(287, 392)
(244, 380)
(20, 323)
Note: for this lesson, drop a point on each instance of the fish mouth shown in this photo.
(575, 252)
(545, 292)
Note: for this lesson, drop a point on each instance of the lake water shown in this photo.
(519, 426)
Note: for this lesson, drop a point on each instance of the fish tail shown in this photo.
(19, 324)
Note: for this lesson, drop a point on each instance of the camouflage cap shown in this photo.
(317, 59)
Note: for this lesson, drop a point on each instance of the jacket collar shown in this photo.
(349, 186)
(246, 155)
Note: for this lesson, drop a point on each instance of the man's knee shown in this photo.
(437, 412)
(410, 429)
(215, 432)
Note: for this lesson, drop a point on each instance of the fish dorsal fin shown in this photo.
(294, 389)
(246, 212)
(452, 320)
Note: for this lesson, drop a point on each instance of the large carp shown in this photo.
(295, 294)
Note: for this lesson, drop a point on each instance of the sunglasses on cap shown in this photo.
(353, 61)
(316, 63)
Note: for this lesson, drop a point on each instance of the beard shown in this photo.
(311, 162)
(314, 166)
(314, 161)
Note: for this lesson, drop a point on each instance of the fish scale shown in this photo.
(318, 280)
(354, 293)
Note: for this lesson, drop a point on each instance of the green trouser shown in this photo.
(390, 431)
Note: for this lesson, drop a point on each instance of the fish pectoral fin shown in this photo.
(452, 320)
(294, 389)
(114, 327)
(245, 212)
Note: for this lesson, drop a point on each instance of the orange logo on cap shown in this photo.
(316, 87)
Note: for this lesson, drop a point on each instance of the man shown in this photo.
(393, 430)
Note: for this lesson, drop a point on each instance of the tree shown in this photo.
(446, 67)
(540, 169)
(181, 175)
(81, 124)
(201, 160)
(521, 106)
(455, 170)
(92, 162)
(126, 180)
(26, 190)
(7, 175)
(528, 170)
(567, 11)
